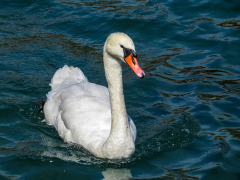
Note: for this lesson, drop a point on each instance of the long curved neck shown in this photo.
(120, 135)
(113, 72)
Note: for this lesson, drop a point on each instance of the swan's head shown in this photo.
(121, 47)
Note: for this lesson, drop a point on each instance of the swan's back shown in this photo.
(79, 110)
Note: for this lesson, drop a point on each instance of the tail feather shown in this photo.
(67, 73)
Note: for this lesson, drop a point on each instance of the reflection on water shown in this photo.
(231, 23)
(116, 174)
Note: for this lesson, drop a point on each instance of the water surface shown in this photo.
(186, 110)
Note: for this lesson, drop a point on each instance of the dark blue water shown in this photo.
(186, 110)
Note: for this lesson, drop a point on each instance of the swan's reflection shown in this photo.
(116, 174)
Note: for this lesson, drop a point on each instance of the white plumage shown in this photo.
(82, 113)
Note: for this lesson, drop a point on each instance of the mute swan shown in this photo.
(92, 115)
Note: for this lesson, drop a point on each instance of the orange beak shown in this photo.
(132, 62)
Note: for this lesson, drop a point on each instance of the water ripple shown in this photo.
(186, 109)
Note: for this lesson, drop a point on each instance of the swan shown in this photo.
(91, 115)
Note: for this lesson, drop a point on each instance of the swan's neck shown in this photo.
(120, 142)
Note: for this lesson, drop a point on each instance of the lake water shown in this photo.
(186, 109)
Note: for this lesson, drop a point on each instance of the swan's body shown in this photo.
(92, 115)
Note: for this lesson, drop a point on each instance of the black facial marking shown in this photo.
(134, 54)
(127, 52)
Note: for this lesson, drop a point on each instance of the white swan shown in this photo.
(92, 115)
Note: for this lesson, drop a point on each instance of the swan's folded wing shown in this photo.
(81, 113)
